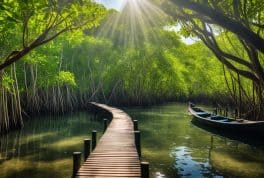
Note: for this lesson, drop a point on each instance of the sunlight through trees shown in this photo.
(56, 56)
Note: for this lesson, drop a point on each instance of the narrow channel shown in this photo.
(170, 142)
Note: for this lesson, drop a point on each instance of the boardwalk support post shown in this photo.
(215, 111)
(135, 125)
(105, 124)
(236, 113)
(94, 139)
(144, 169)
(76, 162)
(86, 148)
(137, 142)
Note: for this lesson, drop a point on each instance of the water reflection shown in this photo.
(159, 175)
(170, 142)
(237, 159)
(224, 158)
(189, 166)
(44, 147)
(177, 148)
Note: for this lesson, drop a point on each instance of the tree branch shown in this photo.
(219, 18)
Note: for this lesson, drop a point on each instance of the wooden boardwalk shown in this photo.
(115, 154)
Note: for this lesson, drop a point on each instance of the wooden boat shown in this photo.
(246, 127)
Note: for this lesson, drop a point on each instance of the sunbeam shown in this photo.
(136, 23)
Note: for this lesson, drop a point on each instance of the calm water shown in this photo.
(43, 149)
(170, 142)
(176, 148)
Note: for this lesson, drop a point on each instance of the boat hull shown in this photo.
(242, 128)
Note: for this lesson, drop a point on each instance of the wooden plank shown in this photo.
(115, 155)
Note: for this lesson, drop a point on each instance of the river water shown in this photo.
(170, 142)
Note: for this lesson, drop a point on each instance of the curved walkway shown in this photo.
(115, 155)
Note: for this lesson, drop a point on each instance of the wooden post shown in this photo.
(135, 125)
(86, 148)
(94, 139)
(105, 124)
(144, 169)
(137, 142)
(226, 111)
(76, 162)
(215, 111)
(236, 113)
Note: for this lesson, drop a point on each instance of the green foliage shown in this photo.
(155, 71)
(7, 82)
(65, 78)
(32, 23)
(156, 68)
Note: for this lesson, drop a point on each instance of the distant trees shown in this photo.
(153, 73)
(110, 65)
(240, 22)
